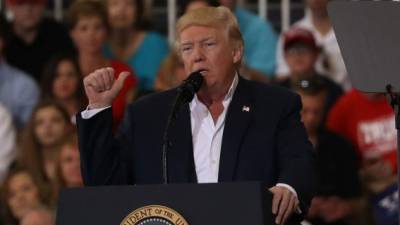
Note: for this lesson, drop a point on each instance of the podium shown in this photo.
(244, 203)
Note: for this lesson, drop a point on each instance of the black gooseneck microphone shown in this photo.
(185, 94)
(190, 86)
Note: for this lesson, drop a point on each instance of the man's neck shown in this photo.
(28, 35)
(120, 38)
(214, 95)
(321, 22)
(208, 97)
(213, 98)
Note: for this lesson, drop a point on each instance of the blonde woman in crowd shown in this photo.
(41, 140)
(21, 191)
(171, 73)
(68, 167)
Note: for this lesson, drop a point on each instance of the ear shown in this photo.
(237, 54)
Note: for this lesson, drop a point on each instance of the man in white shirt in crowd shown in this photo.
(330, 62)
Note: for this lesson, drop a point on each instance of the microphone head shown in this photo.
(190, 86)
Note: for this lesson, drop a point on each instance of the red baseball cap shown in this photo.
(21, 2)
(298, 35)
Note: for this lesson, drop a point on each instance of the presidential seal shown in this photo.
(154, 215)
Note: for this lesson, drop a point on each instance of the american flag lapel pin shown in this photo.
(245, 109)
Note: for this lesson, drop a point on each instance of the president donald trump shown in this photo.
(232, 130)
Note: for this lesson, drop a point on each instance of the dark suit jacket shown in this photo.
(268, 143)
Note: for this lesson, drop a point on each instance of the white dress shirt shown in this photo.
(207, 136)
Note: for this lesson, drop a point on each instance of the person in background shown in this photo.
(18, 91)
(88, 26)
(368, 121)
(38, 216)
(131, 42)
(7, 140)
(187, 5)
(21, 191)
(31, 38)
(62, 83)
(260, 40)
(68, 169)
(301, 54)
(330, 62)
(337, 201)
(171, 73)
(42, 138)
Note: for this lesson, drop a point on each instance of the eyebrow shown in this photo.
(202, 40)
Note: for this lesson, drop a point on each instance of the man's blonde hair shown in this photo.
(216, 17)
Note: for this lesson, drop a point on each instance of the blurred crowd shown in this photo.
(43, 62)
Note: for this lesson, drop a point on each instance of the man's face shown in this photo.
(313, 111)
(27, 15)
(317, 5)
(301, 59)
(209, 49)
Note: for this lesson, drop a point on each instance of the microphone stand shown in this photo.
(185, 94)
(166, 142)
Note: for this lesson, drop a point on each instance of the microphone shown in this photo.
(185, 94)
(190, 86)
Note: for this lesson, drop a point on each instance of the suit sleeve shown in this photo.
(295, 153)
(106, 159)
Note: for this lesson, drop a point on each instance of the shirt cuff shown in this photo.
(89, 113)
(291, 189)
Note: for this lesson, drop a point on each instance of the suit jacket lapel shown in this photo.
(180, 156)
(236, 124)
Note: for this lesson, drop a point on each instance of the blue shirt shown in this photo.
(260, 42)
(147, 58)
(18, 93)
(385, 206)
